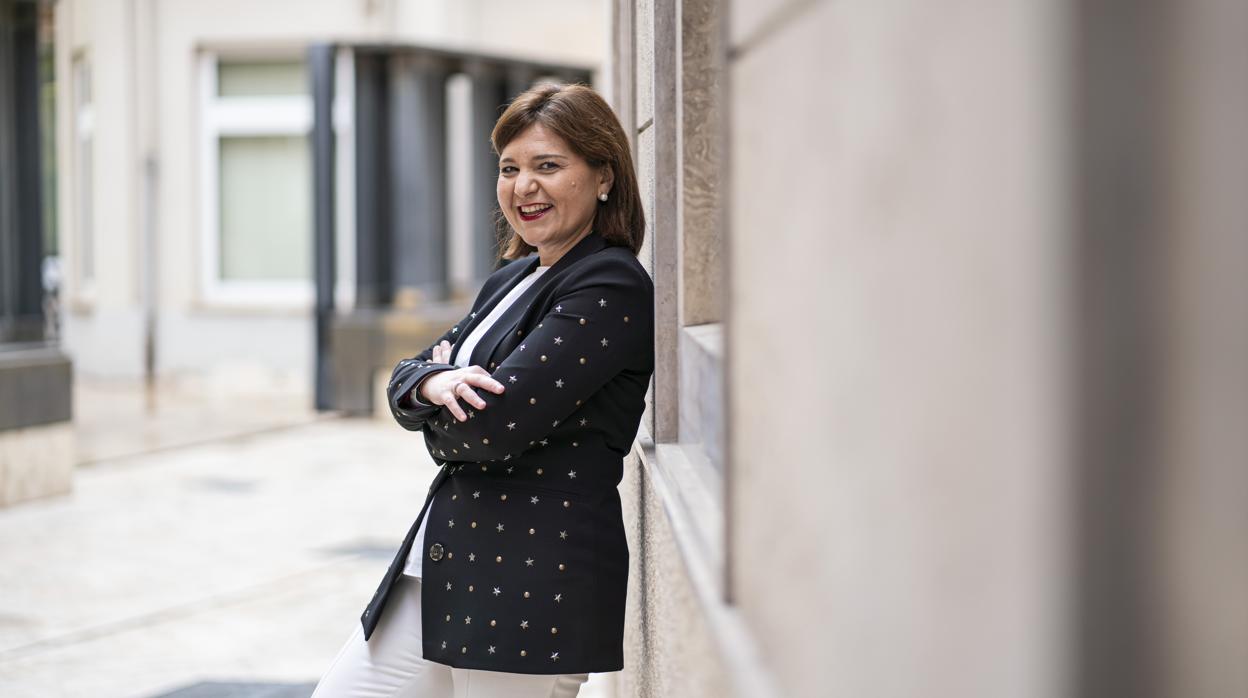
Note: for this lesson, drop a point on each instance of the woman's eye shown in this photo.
(508, 169)
(543, 166)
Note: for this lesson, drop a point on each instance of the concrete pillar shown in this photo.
(489, 98)
(418, 140)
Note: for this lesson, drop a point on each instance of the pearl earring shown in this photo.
(602, 197)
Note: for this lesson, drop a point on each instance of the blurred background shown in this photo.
(950, 397)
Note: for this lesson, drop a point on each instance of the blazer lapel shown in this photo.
(507, 323)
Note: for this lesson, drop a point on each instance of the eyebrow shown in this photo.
(543, 156)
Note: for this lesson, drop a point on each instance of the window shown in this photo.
(256, 188)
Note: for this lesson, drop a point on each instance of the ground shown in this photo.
(234, 566)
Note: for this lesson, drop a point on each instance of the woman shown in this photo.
(514, 583)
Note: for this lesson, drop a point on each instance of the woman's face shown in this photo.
(547, 192)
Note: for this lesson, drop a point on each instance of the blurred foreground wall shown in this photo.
(969, 279)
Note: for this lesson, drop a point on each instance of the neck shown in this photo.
(550, 254)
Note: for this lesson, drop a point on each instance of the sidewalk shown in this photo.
(231, 568)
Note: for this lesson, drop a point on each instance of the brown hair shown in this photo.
(584, 119)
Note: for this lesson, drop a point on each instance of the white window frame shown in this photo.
(280, 115)
(84, 242)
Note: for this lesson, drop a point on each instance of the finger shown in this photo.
(437, 355)
(469, 395)
(486, 381)
(449, 402)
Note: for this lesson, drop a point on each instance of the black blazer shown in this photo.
(526, 562)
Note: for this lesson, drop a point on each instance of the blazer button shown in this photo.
(435, 552)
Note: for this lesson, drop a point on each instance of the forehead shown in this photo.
(536, 140)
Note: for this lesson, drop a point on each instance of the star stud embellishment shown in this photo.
(533, 500)
(559, 383)
(491, 649)
(558, 598)
(472, 557)
(529, 562)
(554, 656)
(448, 586)
(497, 591)
(558, 340)
(450, 523)
(467, 620)
(524, 625)
(604, 341)
(559, 308)
(572, 474)
(563, 535)
(511, 379)
(511, 426)
(602, 303)
(476, 495)
(500, 528)
(584, 421)
(521, 347)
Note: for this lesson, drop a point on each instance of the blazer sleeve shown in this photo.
(408, 374)
(597, 325)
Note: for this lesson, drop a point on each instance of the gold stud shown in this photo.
(539, 471)
(582, 321)
(523, 653)
(502, 497)
(485, 441)
(562, 567)
(498, 559)
(575, 444)
(491, 364)
(474, 524)
(578, 402)
(566, 503)
(543, 357)
(519, 333)
(532, 401)
(448, 618)
(532, 531)
(554, 631)
(450, 556)
(625, 318)
(463, 650)
(454, 497)
(582, 360)
(492, 622)
(470, 587)
(526, 594)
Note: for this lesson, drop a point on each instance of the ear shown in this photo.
(606, 177)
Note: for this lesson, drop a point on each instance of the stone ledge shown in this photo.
(35, 387)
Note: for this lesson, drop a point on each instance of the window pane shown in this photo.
(263, 79)
(265, 208)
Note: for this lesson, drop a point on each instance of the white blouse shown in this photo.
(412, 568)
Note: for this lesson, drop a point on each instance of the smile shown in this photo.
(532, 212)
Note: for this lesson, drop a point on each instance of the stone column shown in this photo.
(418, 149)
(489, 98)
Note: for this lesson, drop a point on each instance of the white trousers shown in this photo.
(390, 664)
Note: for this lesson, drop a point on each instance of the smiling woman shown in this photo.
(512, 579)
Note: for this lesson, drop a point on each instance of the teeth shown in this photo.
(534, 208)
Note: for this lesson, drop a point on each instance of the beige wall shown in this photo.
(984, 398)
(144, 54)
(894, 294)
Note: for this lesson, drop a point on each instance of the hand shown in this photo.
(443, 387)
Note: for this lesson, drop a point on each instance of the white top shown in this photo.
(412, 567)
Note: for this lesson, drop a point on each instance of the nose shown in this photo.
(526, 185)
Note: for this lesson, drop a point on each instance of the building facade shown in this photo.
(186, 173)
(950, 337)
